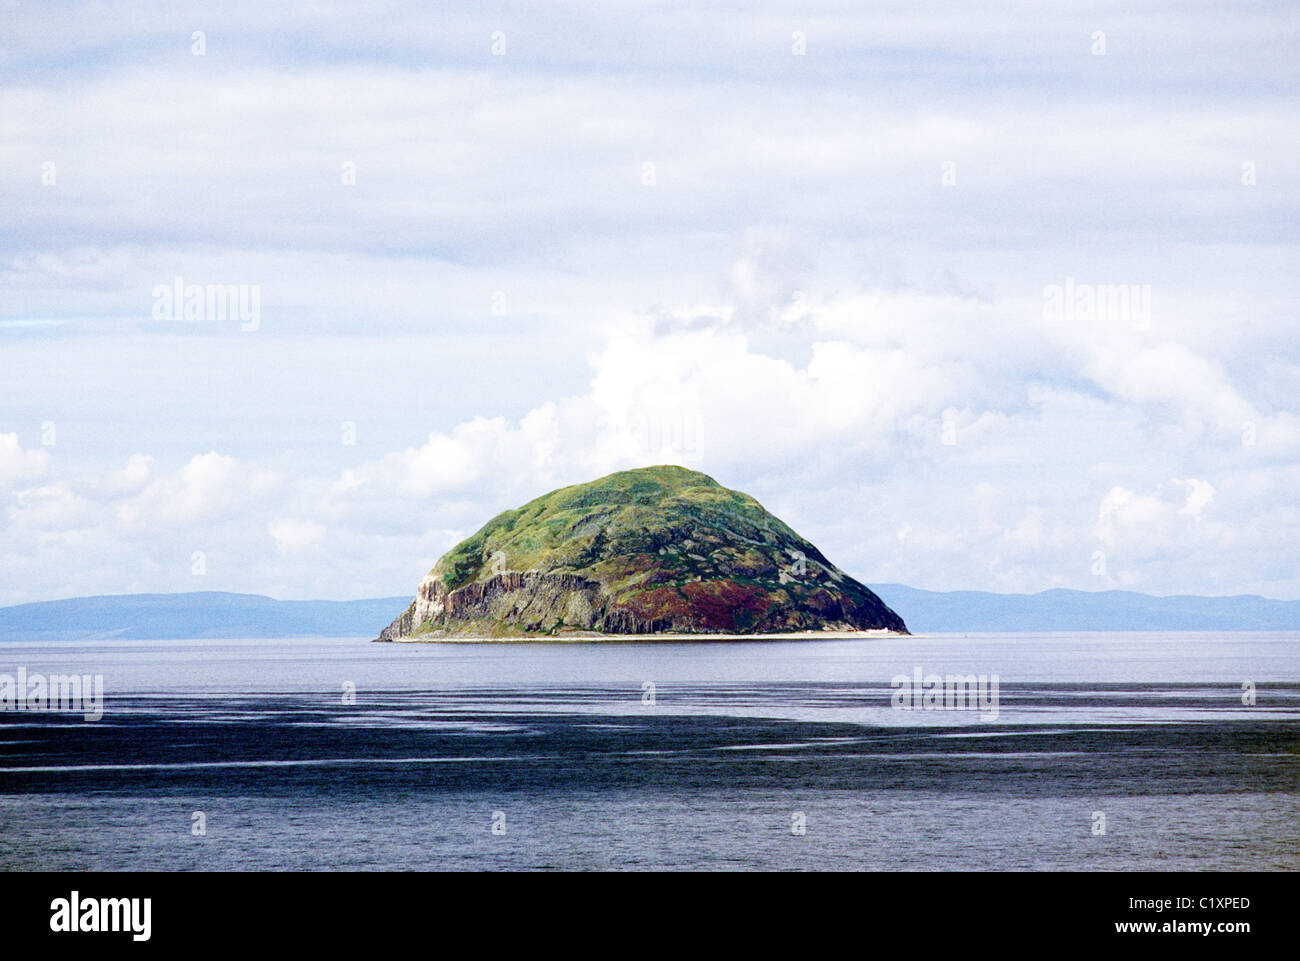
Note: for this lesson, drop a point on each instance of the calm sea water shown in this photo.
(341, 754)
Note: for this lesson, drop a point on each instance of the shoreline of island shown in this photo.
(666, 637)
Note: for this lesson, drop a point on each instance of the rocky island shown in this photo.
(656, 551)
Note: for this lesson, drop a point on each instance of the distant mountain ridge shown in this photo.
(1061, 609)
(215, 614)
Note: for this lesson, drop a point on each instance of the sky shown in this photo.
(996, 296)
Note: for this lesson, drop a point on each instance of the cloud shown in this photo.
(18, 465)
(1199, 494)
(52, 508)
(293, 536)
(132, 477)
(209, 486)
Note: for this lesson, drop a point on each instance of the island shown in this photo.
(659, 553)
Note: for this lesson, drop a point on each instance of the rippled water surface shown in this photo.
(641, 756)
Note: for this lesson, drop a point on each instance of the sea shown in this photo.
(1087, 752)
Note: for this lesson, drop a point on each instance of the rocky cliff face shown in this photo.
(658, 550)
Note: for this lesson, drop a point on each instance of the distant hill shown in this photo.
(150, 617)
(1066, 610)
(216, 615)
